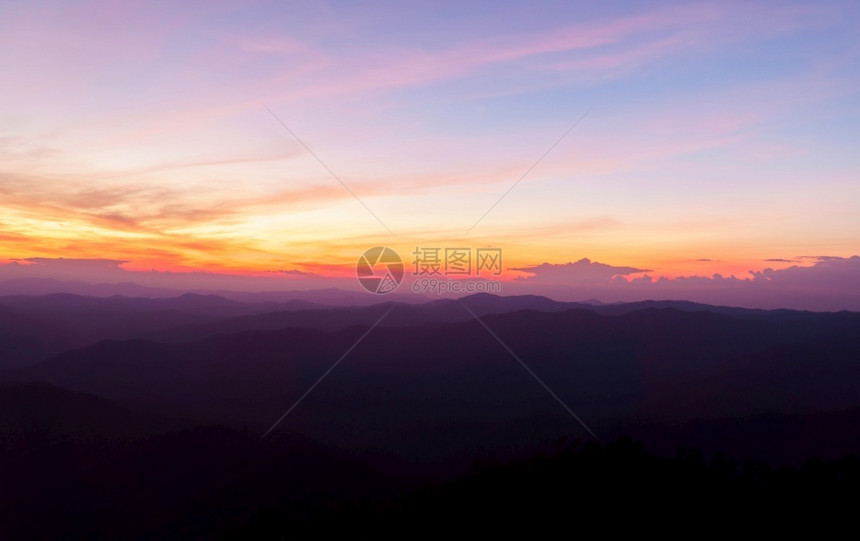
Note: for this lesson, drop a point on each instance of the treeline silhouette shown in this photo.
(617, 487)
(216, 482)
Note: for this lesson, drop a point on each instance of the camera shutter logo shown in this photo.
(379, 270)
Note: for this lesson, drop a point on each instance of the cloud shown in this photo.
(829, 273)
(821, 257)
(64, 269)
(111, 271)
(779, 260)
(583, 271)
(91, 264)
(832, 283)
(294, 272)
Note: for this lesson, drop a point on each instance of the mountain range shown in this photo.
(394, 394)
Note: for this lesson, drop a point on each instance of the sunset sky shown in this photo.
(711, 137)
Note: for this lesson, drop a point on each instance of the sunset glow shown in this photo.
(709, 137)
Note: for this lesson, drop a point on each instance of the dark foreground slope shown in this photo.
(618, 489)
(74, 465)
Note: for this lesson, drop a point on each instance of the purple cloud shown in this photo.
(831, 284)
(583, 271)
(294, 272)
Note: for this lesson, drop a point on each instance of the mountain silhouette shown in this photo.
(145, 417)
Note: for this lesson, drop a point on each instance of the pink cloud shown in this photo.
(832, 283)
(392, 70)
(583, 271)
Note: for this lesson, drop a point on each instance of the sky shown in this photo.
(591, 142)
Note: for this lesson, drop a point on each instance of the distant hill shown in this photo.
(325, 296)
(32, 328)
(37, 416)
(432, 389)
(36, 327)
